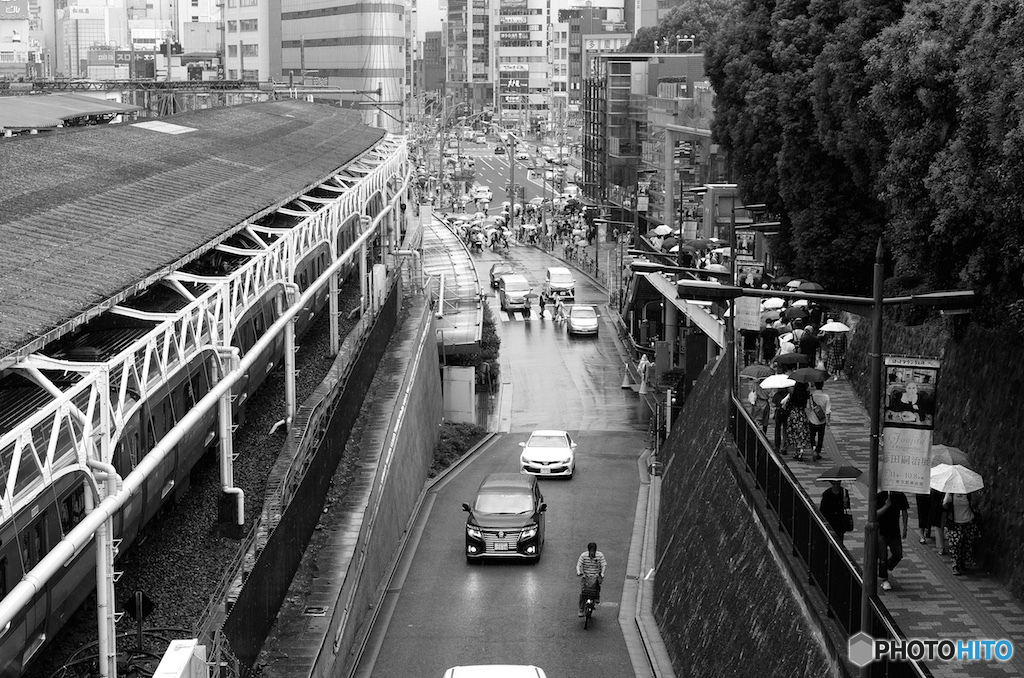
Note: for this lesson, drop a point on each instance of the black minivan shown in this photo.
(507, 518)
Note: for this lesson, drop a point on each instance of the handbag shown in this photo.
(816, 409)
(847, 522)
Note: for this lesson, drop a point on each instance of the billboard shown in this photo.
(14, 10)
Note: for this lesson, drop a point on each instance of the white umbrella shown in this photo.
(777, 381)
(673, 249)
(793, 284)
(956, 479)
(772, 304)
(660, 230)
(800, 302)
(718, 268)
(835, 326)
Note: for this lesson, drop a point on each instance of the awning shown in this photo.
(46, 111)
(709, 324)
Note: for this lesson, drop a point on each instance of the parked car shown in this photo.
(512, 293)
(581, 319)
(559, 283)
(499, 269)
(506, 519)
(548, 453)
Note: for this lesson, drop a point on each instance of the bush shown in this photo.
(490, 343)
(455, 440)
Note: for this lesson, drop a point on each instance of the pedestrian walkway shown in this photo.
(926, 600)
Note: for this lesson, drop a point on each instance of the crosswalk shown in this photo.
(518, 316)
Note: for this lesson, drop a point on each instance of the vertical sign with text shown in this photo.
(908, 419)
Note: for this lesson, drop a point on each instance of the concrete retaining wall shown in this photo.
(725, 601)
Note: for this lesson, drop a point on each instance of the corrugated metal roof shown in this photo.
(42, 111)
(460, 324)
(86, 214)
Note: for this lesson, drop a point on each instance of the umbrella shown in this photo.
(717, 268)
(777, 381)
(956, 479)
(788, 336)
(945, 454)
(807, 286)
(698, 244)
(792, 359)
(800, 302)
(687, 248)
(839, 472)
(674, 249)
(773, 303)
(793, 284)
(769, 315)
(796, 312)
(835, 326)
(480, 215)
(670, 241)
(782, 279)
(660, 230)
(760, 372)
(809, 375)
(724, 251)
(537, 202)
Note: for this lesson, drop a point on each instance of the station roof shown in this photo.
(46, 111)
(92, 214)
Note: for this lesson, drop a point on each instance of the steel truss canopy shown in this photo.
(452, 277)
(82, 403)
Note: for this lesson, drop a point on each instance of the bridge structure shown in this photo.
(330, 192)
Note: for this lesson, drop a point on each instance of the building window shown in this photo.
(232, 74)
(232, 52)
(250, 50)
(232, 26)
(247, 3)
(250, 74)
(249, 24)
(195, 3)
(7, 57)
(195, 19)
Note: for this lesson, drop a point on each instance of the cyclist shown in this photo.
(591, 564)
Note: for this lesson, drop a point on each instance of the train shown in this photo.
(35, 529)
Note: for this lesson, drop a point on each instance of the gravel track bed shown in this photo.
(181, 561)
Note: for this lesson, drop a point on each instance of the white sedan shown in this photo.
(522, 155)
(548, 453)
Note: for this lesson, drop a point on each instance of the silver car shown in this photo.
(582, 319)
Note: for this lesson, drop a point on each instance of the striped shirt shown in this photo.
(591, 566)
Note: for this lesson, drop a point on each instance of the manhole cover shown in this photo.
(315, 611)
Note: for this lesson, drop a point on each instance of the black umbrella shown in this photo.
(792, 359)
(756, 371)
(840, 473)
(809, 375)
(782, 279)
(810, 287)
(795, 312)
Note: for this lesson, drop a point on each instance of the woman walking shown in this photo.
(798, 427)
(835, 353)
(961, 530)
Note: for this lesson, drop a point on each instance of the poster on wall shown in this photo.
(908, 419)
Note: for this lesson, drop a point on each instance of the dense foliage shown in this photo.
(855, 120)
(698, 18)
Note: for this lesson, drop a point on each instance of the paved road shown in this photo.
(441, 611)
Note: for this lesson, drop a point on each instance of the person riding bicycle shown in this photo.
(591, 566)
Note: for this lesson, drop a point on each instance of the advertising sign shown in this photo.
(514, 68)
(14, 10)
(907, 422)
(642, 199)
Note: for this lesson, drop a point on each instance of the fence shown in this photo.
(830, 566)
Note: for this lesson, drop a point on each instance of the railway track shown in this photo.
(180, 562)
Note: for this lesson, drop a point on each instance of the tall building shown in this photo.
(19, 51)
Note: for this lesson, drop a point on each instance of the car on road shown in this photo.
(581, 319)
(483, 193)
(499, 150)
(559, 283)
(495, 671)
(513, 291)
(499, 269)
(506, 519)
(522, 155)
(548, 453)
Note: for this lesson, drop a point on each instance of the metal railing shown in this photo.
(830, 566)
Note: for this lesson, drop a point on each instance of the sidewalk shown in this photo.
(927, 601)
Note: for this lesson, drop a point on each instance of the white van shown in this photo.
(494, 671)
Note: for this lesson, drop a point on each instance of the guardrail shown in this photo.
(830, 566)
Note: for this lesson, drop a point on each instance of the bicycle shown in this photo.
(592, 593)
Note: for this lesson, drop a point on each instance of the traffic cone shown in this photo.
(627, 380)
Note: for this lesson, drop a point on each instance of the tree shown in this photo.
(700, 18)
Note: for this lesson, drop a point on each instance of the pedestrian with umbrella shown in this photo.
(759, 398)
(769, 338)
(779, 383)
(819, 414)
(957, 482)
(798, 427)
(835, 347)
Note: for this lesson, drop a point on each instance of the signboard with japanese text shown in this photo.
(642, 199)
(14, 10)
(907, 422)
